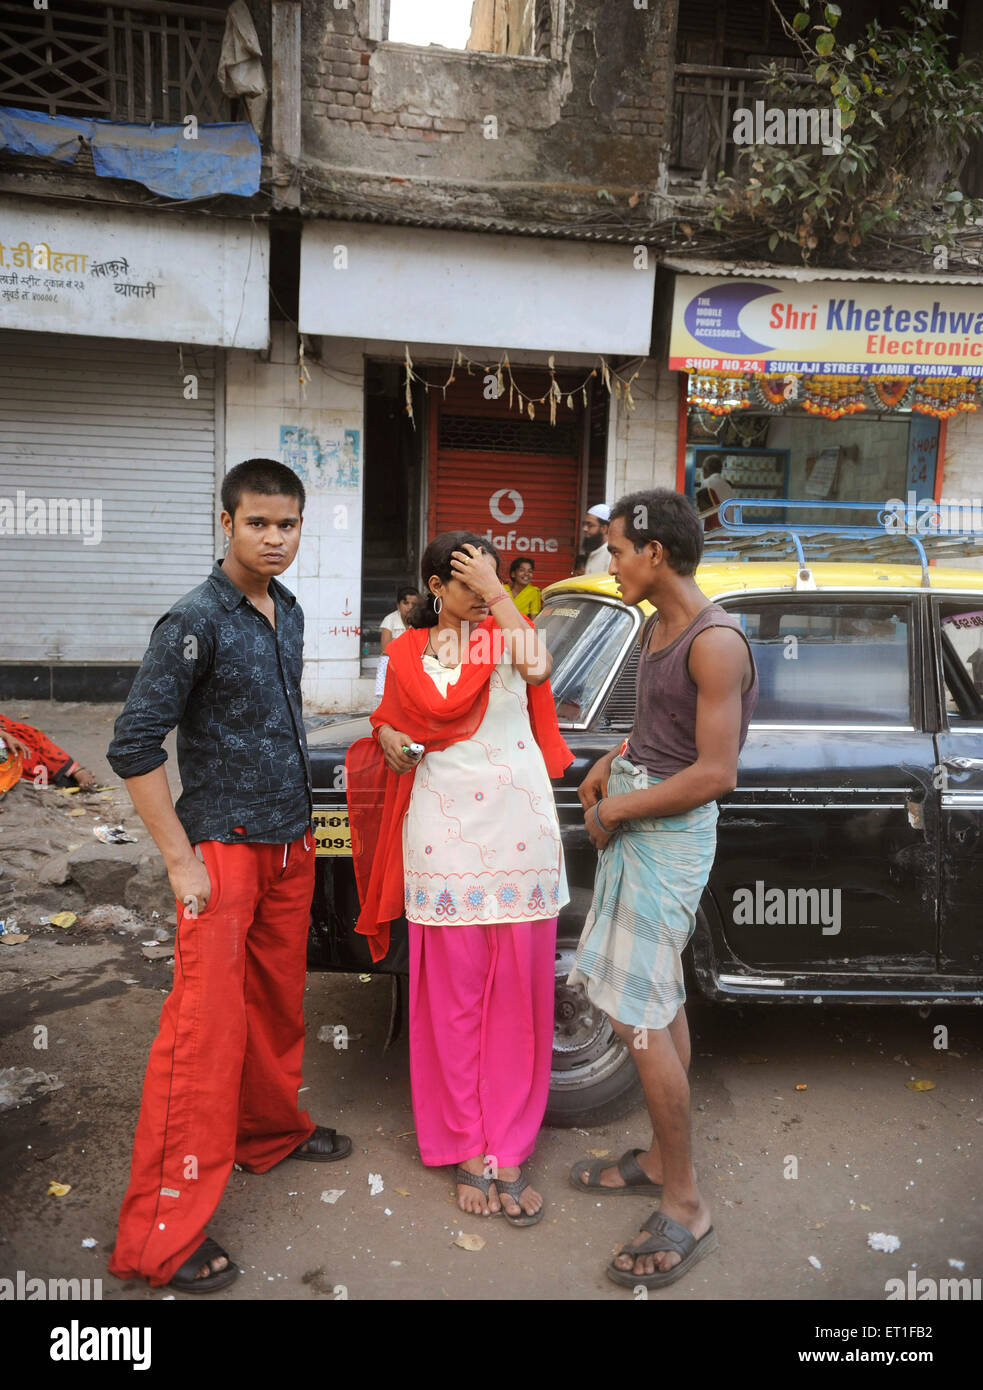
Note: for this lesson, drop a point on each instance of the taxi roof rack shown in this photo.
(813, 532)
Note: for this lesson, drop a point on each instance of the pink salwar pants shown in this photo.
(481, 1038)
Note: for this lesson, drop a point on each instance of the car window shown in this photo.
(823, 662)
(585, 639)
(961, 634)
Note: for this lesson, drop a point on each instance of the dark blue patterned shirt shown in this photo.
(217, 670)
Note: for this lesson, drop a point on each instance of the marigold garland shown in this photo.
(773, 391)
(890, 392)
(719, 392)
(942, 397)
(833, 396)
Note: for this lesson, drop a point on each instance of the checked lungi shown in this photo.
(650, 879)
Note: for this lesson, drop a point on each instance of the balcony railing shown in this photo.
(137, 61)
(705, 101)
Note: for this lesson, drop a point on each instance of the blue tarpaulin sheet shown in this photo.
(31, 132)
(222, 158)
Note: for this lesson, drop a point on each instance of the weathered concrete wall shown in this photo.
(597, 116)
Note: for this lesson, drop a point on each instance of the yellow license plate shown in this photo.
(332, 833)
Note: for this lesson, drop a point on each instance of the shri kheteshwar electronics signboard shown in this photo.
(838, 327)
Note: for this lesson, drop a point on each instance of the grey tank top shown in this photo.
(663, 737)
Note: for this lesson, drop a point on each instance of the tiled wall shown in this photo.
(264, 399)
(645, 438)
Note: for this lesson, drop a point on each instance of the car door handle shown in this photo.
(959, 764)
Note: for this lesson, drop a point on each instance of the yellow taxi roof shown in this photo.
(718, 577)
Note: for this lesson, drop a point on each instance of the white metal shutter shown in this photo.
(100, 418)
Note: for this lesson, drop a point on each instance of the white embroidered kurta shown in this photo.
(481, 841)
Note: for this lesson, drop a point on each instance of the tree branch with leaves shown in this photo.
(906, 117)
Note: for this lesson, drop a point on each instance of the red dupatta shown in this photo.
(378, 797)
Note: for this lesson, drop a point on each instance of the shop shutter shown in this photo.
(495, 470)
(95, 418)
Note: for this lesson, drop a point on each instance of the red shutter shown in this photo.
(506, 476)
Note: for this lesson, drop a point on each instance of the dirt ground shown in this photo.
(790, 1173)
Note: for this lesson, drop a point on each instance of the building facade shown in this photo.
(457, 293)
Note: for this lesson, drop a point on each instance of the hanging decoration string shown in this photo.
(554, 395)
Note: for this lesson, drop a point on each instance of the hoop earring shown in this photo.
(438, 604)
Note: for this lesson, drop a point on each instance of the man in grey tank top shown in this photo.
(650, 810)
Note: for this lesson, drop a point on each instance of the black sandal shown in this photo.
(326, 1146)
(635, 1176)
(186, 1279)
(666, 1234)
(515, 1188)
(466, 1179)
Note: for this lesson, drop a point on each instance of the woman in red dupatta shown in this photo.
(464, 840)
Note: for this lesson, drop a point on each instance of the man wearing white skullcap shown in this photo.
(595, 538)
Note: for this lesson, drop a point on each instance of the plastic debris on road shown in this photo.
(375, 1184)
(814, 1262)
(157, 952)
(21, 1085)
(332, 1194)
(877, 1240)
(63, 919)
(59, 1189)
(113, 835)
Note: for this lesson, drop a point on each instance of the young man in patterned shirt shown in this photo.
(224, 667)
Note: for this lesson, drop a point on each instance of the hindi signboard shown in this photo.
(120, 274)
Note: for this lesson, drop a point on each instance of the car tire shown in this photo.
(593, 1078)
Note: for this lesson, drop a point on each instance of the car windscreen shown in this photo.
(586, 640)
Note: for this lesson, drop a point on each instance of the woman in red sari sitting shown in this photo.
(464, 840)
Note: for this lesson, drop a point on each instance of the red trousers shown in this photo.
(225, 1067)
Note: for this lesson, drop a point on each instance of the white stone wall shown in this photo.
(264, 399)
(645, 439)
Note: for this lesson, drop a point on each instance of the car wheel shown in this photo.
(593, 1078)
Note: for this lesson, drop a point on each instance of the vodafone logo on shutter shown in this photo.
(515, 500)
(506, 505)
